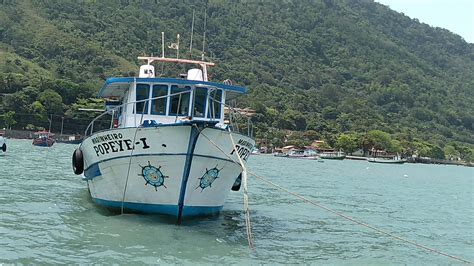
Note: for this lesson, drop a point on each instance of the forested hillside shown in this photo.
(325, 67)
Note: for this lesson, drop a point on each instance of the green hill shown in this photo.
(329, 66)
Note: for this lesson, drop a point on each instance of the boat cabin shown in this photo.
(149, 101)
(43, 134)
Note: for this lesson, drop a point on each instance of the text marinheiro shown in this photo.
(107, 137)
(112, 143)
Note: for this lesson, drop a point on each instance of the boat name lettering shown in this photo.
(107, 137)
(245, 143)
(118, 146)
(243, 149)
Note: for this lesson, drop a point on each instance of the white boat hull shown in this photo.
(3, 144)
(171, 169)
(391, 161)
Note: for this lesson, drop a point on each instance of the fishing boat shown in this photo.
(75, 139)
(168, 149)
(43, 138)
(3, 142)
(395, 160)
(303, 154)
(339, 155)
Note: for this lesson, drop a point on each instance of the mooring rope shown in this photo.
(128, 171)
(145, 105)
(358, 222)
(248, 225)
(339, 213)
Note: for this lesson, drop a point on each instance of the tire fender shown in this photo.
(77, 162)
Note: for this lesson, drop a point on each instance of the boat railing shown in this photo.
(236, 118)
(240, 121)
(113, 111)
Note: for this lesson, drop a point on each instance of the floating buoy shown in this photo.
(77, 162)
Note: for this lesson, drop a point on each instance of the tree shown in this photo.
(395, 146)
(450, 152)
(52, 101)
(376, 139)
(9, 119)
(347, 142)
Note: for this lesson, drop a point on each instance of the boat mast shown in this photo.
(50, 120)
(191, 42)
(162, 45)
(204, 37)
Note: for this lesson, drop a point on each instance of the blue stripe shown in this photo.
(167, 209)
(178, 124)
(92, 171)
(184, 123)
(91, 176)
(193, 137)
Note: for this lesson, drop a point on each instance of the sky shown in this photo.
(456, 16)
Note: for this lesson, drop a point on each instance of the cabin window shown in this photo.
(199, 108)
(215, 99)
(179, 104)
(158, 106)
(142, 93)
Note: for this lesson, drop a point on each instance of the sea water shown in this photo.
(47, 216)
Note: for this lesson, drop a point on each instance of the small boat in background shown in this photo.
(76, 139)
(339, 155)
(395, 160)
(44, 139)
(303, 154)
(3, 142)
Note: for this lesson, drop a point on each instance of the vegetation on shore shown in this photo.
(335, 70)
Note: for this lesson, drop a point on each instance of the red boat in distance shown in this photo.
(44, 139)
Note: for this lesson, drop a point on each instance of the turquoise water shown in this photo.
(46, 216)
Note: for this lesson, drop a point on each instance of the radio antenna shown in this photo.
(177, 47)
(162, 44)
(191, 43)
(204, 37)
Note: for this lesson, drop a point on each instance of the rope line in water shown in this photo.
(145, 104)
(341, 214)
(248, 225)
(128, 171)
(359, 222)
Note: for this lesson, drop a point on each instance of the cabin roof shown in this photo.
(116, 87)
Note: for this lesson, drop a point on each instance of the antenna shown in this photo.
(177, 47)
(162, 44)
(191, 43)
(204, 37)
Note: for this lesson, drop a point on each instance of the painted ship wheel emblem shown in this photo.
(153, 176)
(208, 178)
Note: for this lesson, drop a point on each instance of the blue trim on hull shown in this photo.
(91, 174)
(166, 209)
(92, 171)
(193, 137)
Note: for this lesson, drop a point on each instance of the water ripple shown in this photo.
(47, 217)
